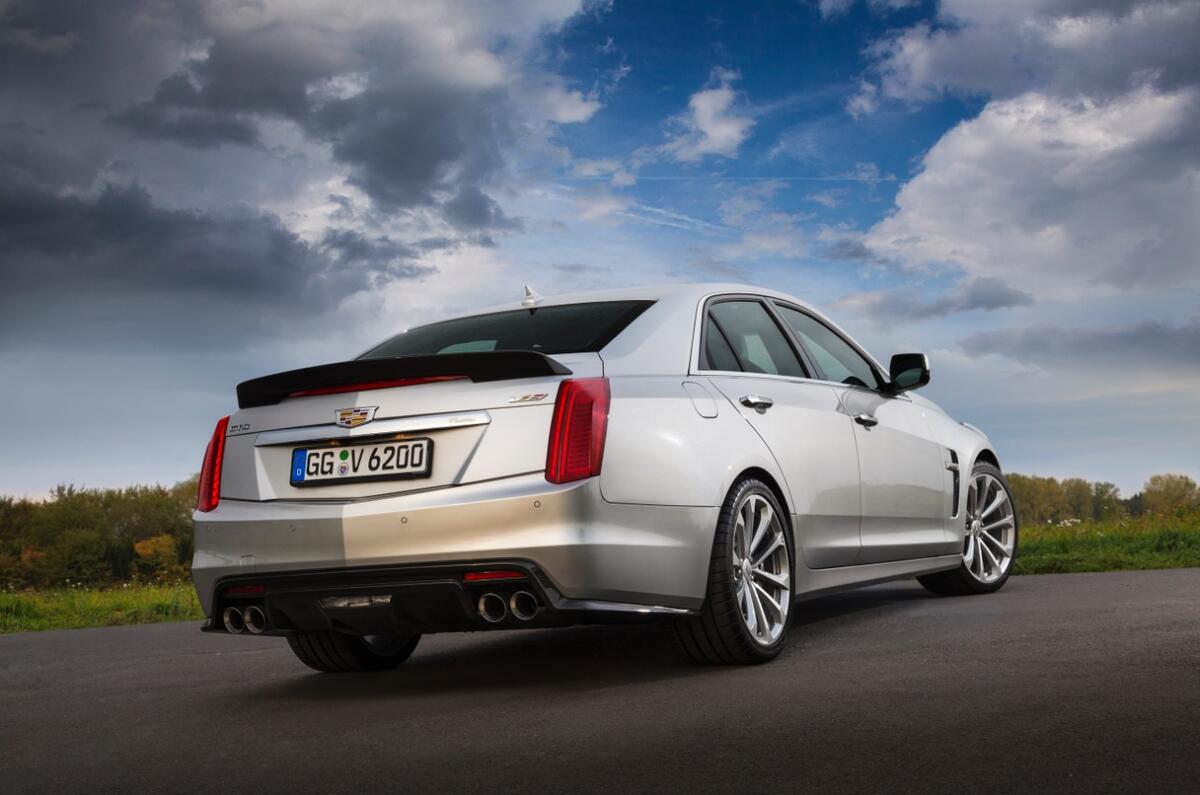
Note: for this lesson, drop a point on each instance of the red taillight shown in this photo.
(210, 472)
(481, 576)
(367, 385)
(577, 431)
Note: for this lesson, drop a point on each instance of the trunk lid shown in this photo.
(493, 423)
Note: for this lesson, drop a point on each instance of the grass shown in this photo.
(1147, 542)
(66, 608)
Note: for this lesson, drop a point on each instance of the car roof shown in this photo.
(662, 340)
(683, 292)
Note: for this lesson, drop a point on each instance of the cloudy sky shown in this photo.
(195, 193)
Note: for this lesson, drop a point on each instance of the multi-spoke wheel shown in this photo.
(989, 541)
(762, 571)
(745, 614)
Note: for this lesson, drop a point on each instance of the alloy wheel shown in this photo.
(991, 528)
(761, 569)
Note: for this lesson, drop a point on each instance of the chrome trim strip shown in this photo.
(427, 422)
(619, 607)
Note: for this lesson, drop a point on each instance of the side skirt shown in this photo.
(815, 582)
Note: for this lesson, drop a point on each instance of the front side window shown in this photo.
(834, 357)
(742, 336)
(566, 328)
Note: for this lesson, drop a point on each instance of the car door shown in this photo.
(747, 354)
(901, 469)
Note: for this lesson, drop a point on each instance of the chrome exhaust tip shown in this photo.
(523, 605)
(235, 622)
(255, 620)
(492, 608)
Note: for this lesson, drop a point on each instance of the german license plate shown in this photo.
(325, 466)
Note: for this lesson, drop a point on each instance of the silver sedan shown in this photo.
(701, 455)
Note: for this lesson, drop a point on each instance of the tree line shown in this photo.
(97, 536)
(1043, 500)
(144, 533)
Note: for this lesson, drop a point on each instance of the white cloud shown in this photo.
(599, 204)
(894, 304)
(832, 8)
(606, 167)
(864, 101)
(595, 168)
(709, 128)
(828, 198)
(1096, 48)
(1057, 196)
(567, 107)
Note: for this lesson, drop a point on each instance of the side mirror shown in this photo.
(907, 371)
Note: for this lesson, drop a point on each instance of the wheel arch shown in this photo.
(772, 483)
(987, 456)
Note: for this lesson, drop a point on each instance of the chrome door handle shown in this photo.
(866, 420)
(756, 402)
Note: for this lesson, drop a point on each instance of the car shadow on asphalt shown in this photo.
(838, 607)
(567, 659)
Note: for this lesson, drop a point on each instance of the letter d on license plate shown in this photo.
(325, 466)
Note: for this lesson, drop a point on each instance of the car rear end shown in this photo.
(444, 481)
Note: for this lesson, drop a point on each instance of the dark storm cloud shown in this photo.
(101, 269)
(390, 100)
(406, 140)
(198, 128)
(409, 132)
(848, 249)
(352, 248)
(473, 209)
(1123, 347)
(975, 293)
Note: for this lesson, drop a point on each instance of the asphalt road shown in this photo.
(1057, 682)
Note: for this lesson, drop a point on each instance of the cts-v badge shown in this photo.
(531, 398)
(359, 415)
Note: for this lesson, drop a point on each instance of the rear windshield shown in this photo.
(568, 328)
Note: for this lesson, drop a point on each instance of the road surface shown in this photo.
(1057, 682)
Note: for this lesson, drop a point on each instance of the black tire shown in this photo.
(336, 652)
(718, 635)
(960, 581)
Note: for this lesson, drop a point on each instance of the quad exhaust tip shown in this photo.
(492, 608)
(523, 605)
(255, 620)
(235, 622)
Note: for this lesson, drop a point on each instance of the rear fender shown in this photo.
(660, 450)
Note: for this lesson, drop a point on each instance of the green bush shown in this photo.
(97, 536)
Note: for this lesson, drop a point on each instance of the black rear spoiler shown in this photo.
(479, 367)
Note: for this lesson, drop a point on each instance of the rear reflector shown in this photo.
(576, 448)
(481, 576)
(368, 385)
(209, 493)
(245, 590)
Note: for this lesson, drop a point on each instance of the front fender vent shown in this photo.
(956, 480)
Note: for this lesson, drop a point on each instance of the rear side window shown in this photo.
(836, 358)
(568, 328)
(740, 335)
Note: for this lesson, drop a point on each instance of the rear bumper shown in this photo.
(583, 548)
(404, 599)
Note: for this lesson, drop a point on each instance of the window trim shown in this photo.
(702, 352)
(866, 357)
(697, 364)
